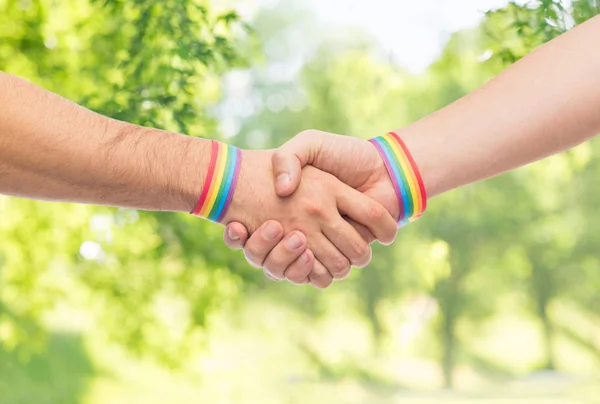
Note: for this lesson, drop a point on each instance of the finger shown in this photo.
(364, 232)
(262, 242)
(367, 212)
(284, 254)
(349, 242)
(329, 256)
(320, 277)
(299, 270)
(235, 235)
(289, 159)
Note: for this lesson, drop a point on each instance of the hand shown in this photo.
(354, 161)
(265, 249)
(316, 210)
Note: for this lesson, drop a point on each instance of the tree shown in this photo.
(154, 63)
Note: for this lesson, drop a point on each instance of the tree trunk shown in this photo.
(449, 345)
(548, 331)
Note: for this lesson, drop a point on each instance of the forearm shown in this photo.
(544, 104)
(53, 149)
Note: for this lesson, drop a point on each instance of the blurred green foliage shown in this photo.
(506, 287)
(149, 62)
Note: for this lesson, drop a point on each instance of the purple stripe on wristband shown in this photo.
(233, 185)
(394, 179)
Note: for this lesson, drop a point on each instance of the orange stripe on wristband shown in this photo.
(220, 182)
(405, 176)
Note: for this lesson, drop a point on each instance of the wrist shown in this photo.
(380, 186)
(405, 176)
(220, 182)
(254, 189)
(189, 174)
(166, 169)
(428, 153)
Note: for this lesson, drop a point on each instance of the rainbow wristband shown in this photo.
(405, 176)
(220, 183)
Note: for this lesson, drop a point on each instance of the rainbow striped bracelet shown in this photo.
(405, 176)
(223, 172)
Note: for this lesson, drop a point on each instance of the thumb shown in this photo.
(289, 159)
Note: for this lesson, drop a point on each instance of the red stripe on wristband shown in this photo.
(416, 171)
(405, 176)
(209, 178)
(220, 183)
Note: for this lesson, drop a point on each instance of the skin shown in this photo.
(544, 104)
(52, 149)
(317, 210)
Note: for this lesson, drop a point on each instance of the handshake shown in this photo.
(309, 210)
(314, 206)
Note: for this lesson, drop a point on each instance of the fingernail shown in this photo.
(232, 235)
(283, 180)
(271, 231)
(293, 242)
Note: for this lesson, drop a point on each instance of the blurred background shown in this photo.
(492, 297)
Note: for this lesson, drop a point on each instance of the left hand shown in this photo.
(317, 209)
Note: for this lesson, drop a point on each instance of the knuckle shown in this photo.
(358, 249)
(339, 266)
(376, 212)
(362, 252)
(335, 229)
(314, 208)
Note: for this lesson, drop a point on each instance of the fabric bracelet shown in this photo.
(405, 176)
(221, 179)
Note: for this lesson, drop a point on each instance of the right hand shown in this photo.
(316, 210)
